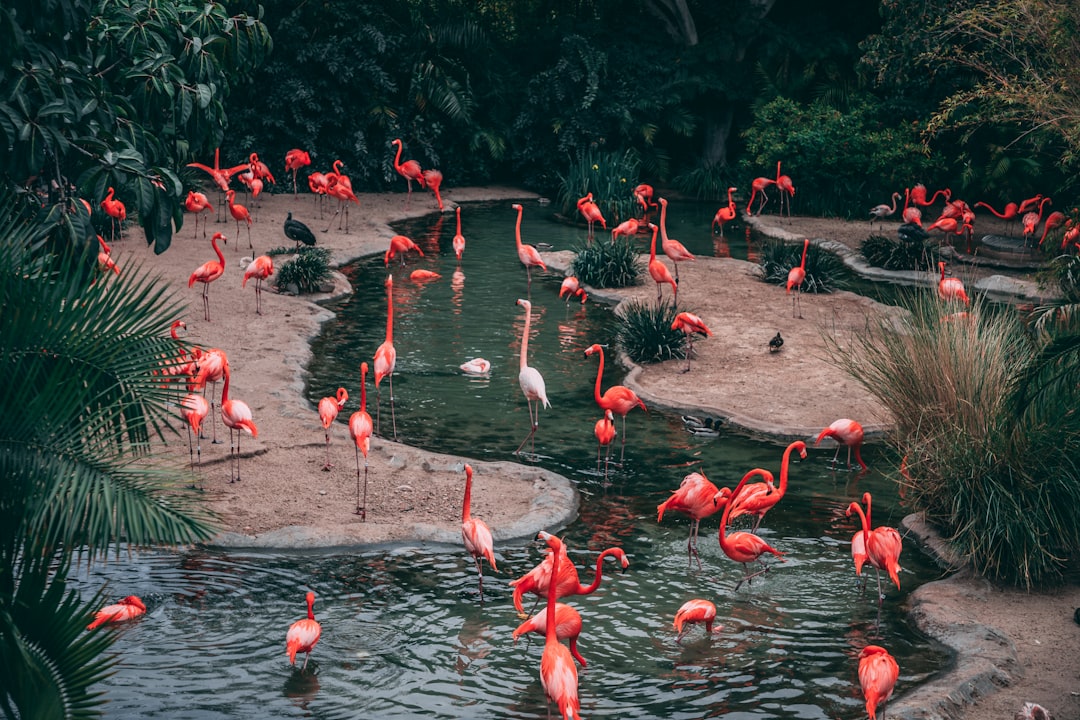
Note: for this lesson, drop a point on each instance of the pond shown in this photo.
(404, 632)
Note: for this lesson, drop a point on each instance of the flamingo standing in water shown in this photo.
(197, 203)
(208, 272)
(882, 546)
(239, 212)
(558, 674)
(459, 240)
(571, 287)
(127, 609)
(604, 430)
(115, 210)
(878, 673)
(303, 634)
(795, 279)
(674, 249)
(530, 379)
(658, 270)
(260, 268)
(758, 498)
(386, 358)
(628, 228)
(527, 254)
(294, 160)
(643, 193)
(695, 611)
(690, 324)
(538, 579)
(329, 407)
(237, 416)
(848, 433)
(410, 169)
(360, 432)
(591, 212)
(744, 547)
(696, 497)
(399, 245)
(567, 627)
(618, 398)
(725, 214)
(475, 533)
(950, 288)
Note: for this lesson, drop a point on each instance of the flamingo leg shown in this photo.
(327, 465)
(213, 415)
(689, 350)
(480, 578)
(750, 576)
(622, 450)
(534, 424)
(393, 419)
(206, 302)
(361, 507)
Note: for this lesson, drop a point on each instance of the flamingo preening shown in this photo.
(878, 673)
(744, 547)
(697, 497)
(294, 160)
(329, 407)
(127, 609)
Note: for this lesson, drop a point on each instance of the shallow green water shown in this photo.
(404, 634)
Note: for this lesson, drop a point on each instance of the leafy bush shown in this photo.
(610, 177)
(645, 333)
(823, 269)
(987, 432)
(890, 254)
(604, 264)
(308, 271)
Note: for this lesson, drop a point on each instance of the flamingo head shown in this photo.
(389, 281)
(396, 141)
(524, 303)
(220, 236)
(134, 601)
(468, 471)
(721, 497)
(594, 348)
(516, 206)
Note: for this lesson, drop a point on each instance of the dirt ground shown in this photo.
(286, 499)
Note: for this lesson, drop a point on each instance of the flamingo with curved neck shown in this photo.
(537, 580)
(459, 239)
(658, 270)
(619, 399)
(883, 546)
(796, 277)
(386, 358)
(674, 249)
(745, 547)
(558, 674)
(527, 254)
(758, 498)
(475, 533)
(725, 214)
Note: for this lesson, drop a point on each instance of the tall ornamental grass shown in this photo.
(610, 176)
(988, 440)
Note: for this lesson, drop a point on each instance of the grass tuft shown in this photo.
(308, 271)
(604, 264)
(823, 269)
(645, 333)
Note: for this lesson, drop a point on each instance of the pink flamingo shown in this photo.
(558, 674)
(690, 324)
(239, 212)
(129, 608)
(538, 580)
(527, 254)
(434, 178)
(209, 368)
(340, 187)
(410, 169)
(848, 433)
(882, 211)
(878, 673)
(329, 407)
(591, 212)
(294, 160)
(795, 279)
(1053, 221)
(882, 545)
(695, 611)
(758, 186)
(572, 288)
(725, 214)
(197, 203)
(674, 249)
(459, 240)
(303, 634)
(530, 380)
(115, 210)
(194, 409)
(785, 185)
(950, 288)
(696, 497)
(567, 627)
(260, 268)
(918, 195)
(758, 498)
(658, 270)
(400, 245)
(1032, 219)
(604, 430)
(386, 358)
(237, 416)
(643, 193)
(360, 432)
(629, 229)
(208, 272)
(475, 533)
(745, 547)
(618, 398)
(104, 258)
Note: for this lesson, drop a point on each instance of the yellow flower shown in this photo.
(622, 180)
(595, 167)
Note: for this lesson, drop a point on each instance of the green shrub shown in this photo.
(889, 254)
(988, 440)
(645, 333)
(605, 264)
(823, 269)
(308, 271)
(610, 177)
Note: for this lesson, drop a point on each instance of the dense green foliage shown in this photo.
(116, 94)
(823, 269)
(309, 270)
(986, 425)
(899, 254)
(645, 333)
(605, 264)
(610, 177)
(75, 455)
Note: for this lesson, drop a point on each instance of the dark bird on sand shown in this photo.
(776, 343)
(298, 232)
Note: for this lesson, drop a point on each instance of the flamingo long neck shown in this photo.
(310, 605)
(599, 374)
(907, 198)
(805, 247)
(458, 220)
(652, 247)
(730, 200)
(397, 158)
(778, 171)
(517, 229)
(363, 388)
(553, 595)
(663, 220)
(221, 256)
(109, 196)
(1041, 204)
(225, 389)
(942, 266)
(467, 502)
(784, 468)
(867, 500)
(217, 158)
(865, 523)
(525, 339)
(599, 571)
(731, 502)
(389, 312)
(895, 197)
(108, 251)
